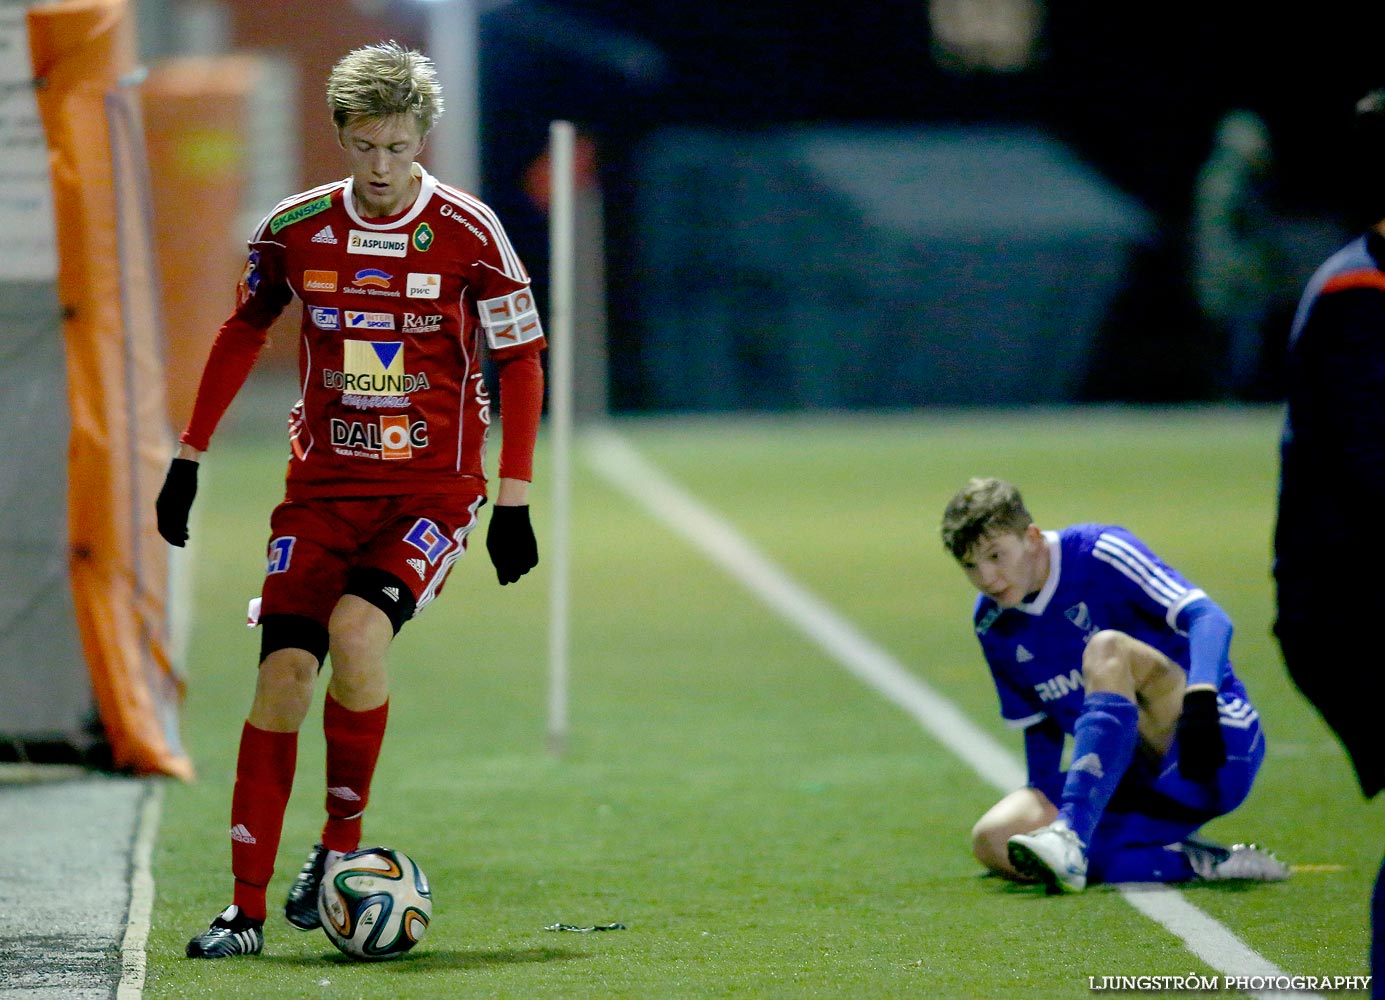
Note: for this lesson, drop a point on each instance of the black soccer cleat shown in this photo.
(300, 908)
(230, 934)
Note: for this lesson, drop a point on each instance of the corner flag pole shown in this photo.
(561, 139)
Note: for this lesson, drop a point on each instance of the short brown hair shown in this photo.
(985, 506)
(377, 81)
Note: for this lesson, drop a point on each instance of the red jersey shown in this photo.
(395, 312)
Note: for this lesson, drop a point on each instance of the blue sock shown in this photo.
(1104, 740)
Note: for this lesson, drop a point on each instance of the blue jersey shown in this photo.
(1100, 577)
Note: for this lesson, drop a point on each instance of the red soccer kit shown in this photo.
(388, 441)
(394, 403)
(393, 312)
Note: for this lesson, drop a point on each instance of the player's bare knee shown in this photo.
(988, 846)
(352, 644)
(289, 668)
(990, 836)
(360, 637)
(1106, 661)
(284, 689)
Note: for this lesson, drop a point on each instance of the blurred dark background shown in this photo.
(909, 203)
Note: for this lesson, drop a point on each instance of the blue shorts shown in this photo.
(1154, 805)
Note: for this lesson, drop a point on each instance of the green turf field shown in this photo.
(763, 823)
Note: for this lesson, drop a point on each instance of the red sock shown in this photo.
(264, 778)
(353, 746)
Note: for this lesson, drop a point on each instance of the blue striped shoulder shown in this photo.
(1119, 550)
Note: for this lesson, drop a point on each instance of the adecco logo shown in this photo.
(319, 281)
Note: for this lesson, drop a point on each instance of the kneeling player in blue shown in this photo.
(1089, 634)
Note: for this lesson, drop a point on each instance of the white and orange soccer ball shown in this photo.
(375, 903)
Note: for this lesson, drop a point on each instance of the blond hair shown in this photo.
(983, 507)
(377, 81)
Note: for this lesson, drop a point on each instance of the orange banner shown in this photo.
(196, 111)
(83, 55)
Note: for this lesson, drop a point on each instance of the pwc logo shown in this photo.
(424, 286)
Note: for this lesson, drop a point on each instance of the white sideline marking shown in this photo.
(137, 920)
(619, 463)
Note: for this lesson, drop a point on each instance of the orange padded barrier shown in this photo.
(82, 52)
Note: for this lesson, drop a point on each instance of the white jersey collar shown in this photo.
(1055, 568)
(427, 183)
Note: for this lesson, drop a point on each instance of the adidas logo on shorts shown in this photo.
(325, 235)
(391, 592)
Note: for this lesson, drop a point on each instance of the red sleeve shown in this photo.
(260, 296)
(521, 404)
(232, 356)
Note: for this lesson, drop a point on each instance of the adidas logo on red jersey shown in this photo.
(325, 235)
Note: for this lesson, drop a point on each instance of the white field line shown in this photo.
(137, 919)
(611, 456)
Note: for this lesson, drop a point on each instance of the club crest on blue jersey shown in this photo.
(1080, 616)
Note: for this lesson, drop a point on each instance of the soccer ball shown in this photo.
(375, 903)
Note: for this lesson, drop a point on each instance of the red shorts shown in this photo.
(314, 545)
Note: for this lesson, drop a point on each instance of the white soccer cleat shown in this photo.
(1052, 855)
(1249, 862)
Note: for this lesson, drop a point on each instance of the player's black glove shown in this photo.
(175, 500)
(510, 542)
(1201, 748)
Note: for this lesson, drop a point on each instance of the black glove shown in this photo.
(510, 542)
(1201, 748)
(175, 500)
